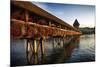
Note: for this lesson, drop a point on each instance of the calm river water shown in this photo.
(80, 49)
(85, 51)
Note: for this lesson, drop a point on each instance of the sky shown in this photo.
(85, 14)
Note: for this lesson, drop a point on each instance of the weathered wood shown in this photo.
(42, 45)
(32, 30)
(35, 58)
(27, 29)
(49, 23)
(26, 16)
(29, 7)
(35, 46)
(53, 43)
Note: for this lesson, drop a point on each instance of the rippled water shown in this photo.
(86, 50)
(80, 49)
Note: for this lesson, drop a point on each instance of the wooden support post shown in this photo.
(49, 23)
(42, 45)
(42, 50)
(59, 42)
(26, 16)
(53, 43)
(38, 46)
(24, 27)
(35, 46)
(27, 49)
(23, 30)
(43, 58)
(63, 41)
(35, 51)
(35, 58)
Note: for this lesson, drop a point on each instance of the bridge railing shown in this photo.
(21, 29)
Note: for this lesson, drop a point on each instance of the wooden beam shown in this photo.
(42, 45)
(26, 16)
(49, 23)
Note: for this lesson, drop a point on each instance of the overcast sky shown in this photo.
(85, 14)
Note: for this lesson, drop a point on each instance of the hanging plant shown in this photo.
(46, 31)
(15, 29)
(32, 31)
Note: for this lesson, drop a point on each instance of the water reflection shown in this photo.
(70, 49)
(57, 55)
(86, 50)
(32, 57)
(61, 55)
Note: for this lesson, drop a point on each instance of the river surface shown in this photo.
(85, 51)
(80, 49)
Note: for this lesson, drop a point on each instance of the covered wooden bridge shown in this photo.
(30, 22)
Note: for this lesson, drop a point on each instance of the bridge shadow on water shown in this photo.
(58, 55)
(63, 54)
(70, 52)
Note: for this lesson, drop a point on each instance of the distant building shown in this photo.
(87, 30)
(76, 24)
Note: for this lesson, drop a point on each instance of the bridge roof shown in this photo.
(35, 9)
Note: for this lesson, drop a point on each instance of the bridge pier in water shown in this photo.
(32, 52)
